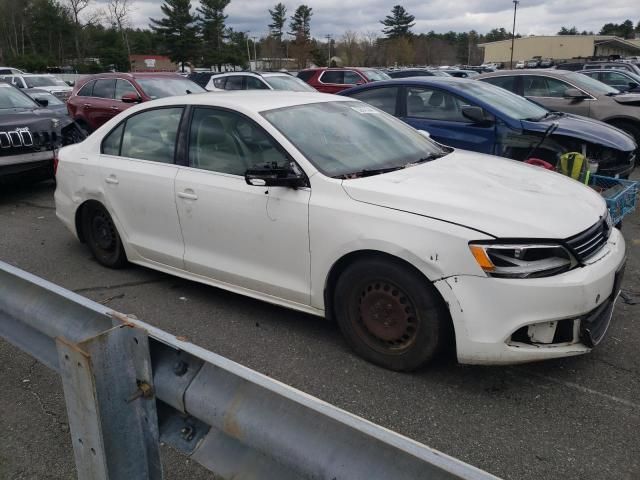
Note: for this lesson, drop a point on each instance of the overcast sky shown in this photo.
(537, 17)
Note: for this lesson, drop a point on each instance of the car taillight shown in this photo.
(55, 162)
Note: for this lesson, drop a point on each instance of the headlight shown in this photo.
(522, 260)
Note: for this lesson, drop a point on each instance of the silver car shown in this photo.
(570, 92)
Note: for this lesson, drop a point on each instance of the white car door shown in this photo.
(252, 237)
(138, 171)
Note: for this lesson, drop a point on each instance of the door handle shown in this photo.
(188, 195)
(87, 105)
(115, 108)
(112, 180)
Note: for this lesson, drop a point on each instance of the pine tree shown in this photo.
(178, 30)
(300, 24)
(278, 19)
(212, 24)
(399, 23)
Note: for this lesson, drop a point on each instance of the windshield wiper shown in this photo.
(369, 172)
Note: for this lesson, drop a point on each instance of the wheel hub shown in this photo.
(103, 233)
(386, 314)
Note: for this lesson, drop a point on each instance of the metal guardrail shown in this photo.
(129, 386)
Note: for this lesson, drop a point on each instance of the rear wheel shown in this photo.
(390, 314)
(102, 236)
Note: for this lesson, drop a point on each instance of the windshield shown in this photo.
(375, 75)
(168, 87)
(591, 85)
(12, 98)
(287, 82)
(53, 100)
(43, 81)
(508, 103)
(342, 138)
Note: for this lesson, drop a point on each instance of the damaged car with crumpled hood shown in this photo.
(485, 118)
(30, 136)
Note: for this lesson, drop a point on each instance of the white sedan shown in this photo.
(329, 206)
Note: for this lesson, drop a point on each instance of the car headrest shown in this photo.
(436, 99)
(211, 131)
(415, 103)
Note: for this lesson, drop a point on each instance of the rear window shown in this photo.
(508, 83)
(86, 90)
(305, 75)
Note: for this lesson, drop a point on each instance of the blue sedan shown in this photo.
(477, 116)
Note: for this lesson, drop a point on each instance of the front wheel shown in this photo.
(390, 314)
(102, 237)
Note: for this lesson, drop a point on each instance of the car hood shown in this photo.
(28, 117)
(52, 89)
(503, 198)
(586, 129)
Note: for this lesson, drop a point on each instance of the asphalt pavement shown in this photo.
(576, 418)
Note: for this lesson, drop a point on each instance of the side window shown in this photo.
(256, 84)
(333, 76)
(614, 78)
(86, 90)
(434, 104)
(352, 78)
(383, 98)
(111, 143)
(226, 142)
(219, 82)
(104, 88)
(151, 135)
(233, 83)
(544, 87)
(508, 83)
(123, 87)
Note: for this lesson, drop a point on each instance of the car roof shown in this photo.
(538, 71)
(133, 75)
(251, 100)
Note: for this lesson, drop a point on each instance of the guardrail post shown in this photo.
(108, 388)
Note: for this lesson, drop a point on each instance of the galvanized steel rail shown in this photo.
(129, 386)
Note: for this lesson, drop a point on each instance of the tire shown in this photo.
(390, 315)
(102, 236)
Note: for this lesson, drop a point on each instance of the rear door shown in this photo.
(101, 107)
(137, 168)
(439, 112)
(550, 92)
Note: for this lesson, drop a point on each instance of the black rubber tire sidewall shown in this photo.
(114, 259)
(432, 332)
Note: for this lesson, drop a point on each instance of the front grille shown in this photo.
(588, 243)
(24, 142)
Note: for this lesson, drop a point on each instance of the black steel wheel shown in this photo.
(102, 236)
(390, 314)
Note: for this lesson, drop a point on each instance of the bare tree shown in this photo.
(349, 46)
(76, 7)
(119, 13)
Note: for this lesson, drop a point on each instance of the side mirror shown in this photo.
(476, 115)
(71, 83)
(131, 98)
(574, 94)
(43, 102)
(275, 176)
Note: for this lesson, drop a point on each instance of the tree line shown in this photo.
(94, 36)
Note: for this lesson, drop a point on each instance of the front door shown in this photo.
(550, 92)
(252, 237)
(138, 172)
(439, 112)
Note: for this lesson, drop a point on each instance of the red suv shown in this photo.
(334, 80)
(98, 98)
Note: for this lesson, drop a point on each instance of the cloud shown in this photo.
(539, 17)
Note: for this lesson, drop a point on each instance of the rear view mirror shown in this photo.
(275, 176)
(131, 98)
(476, 115)
(43, 102)
(574, 94)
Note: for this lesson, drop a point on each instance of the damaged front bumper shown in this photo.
(506, 321)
